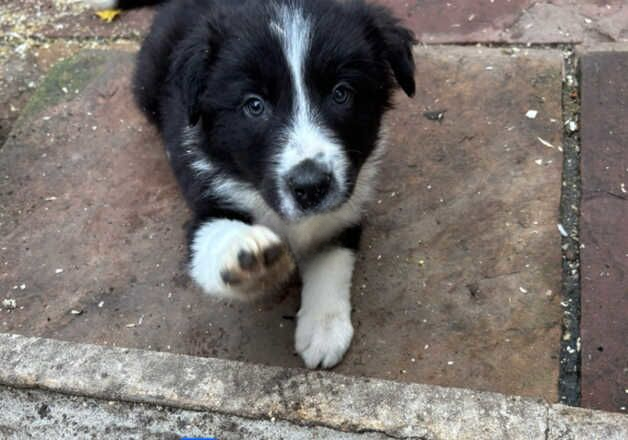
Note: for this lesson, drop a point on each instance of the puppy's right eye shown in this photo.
(254, 106)
(342, 94)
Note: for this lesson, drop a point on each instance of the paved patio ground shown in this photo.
(458, 282)
(467, 276)
(140, 394)
(604, 230)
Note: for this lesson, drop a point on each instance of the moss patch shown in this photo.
(64, 81)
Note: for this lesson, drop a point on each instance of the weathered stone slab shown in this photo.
(36, 414)
(458, 279)
(122, 392)
(514, 21)
(604, 231)
(18, 78)
(460, 270)
(459, 21)
(256, 392)
(435, 22)
(568, 423)
(69, 19)
(24, 64)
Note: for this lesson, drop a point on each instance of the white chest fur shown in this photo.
(302, 235)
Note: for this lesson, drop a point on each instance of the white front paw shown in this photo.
(323, 339)
(256, 257)
(235, 260)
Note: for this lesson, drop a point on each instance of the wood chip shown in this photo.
(544, 142)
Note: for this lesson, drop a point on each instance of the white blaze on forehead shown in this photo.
(306, 137)
(295, 35)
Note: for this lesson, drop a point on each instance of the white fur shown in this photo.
(306, 233)
(306, 137)
(230, 191)
(215, 247)
(190, 138)
(202, 166)
(302, 235)
(324, 329)
(189, 143)
(100, 5)
(312, 231)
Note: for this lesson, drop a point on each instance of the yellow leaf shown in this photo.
(108, 15)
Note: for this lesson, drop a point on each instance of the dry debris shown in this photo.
(544, 142)
(108, 15)
(9, 303)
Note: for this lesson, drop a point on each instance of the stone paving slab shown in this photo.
(17, 79)
(67, 19)
(23, 66)
(435, 22)
(565, 422)
(515, 21)
(604, 230)
(460, 268)
(260, 399)
(37, 414)
(256, 392)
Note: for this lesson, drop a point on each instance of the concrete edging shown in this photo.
(303, 397)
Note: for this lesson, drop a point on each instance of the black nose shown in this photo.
(309, 183)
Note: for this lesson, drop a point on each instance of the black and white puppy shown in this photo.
(271, 115)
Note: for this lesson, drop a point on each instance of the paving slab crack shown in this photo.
(389, 435)
(569, 371)
(601, 193)
(547, 422)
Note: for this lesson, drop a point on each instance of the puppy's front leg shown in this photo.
(324, 329)
(230, 258)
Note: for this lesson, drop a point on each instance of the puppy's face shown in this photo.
(290, 96)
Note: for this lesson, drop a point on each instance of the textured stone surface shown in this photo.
(24, 64)
(18, 77)
(570, 21)
(460, 259)
(459, 21)
(567, 423)
(68, 19)
(175, 394)
(604, 230)
(515, 21)
(37, 414)
(457, 282)
(452, 21)
(256, 392)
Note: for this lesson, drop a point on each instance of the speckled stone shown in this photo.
(458, 278)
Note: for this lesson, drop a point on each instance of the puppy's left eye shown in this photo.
(254, 106)
(342, 94)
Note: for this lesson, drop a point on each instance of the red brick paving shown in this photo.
(458, 21)
(604, 230)
(434, 21)
(514, 21)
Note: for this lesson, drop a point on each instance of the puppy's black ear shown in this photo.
(191, 66)
(397, 43)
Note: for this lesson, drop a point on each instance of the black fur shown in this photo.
(130, 4)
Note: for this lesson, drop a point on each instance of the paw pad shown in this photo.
(259, 260)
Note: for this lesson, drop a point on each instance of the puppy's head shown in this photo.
(290, 95)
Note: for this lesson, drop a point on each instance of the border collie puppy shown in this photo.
(271, 114)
